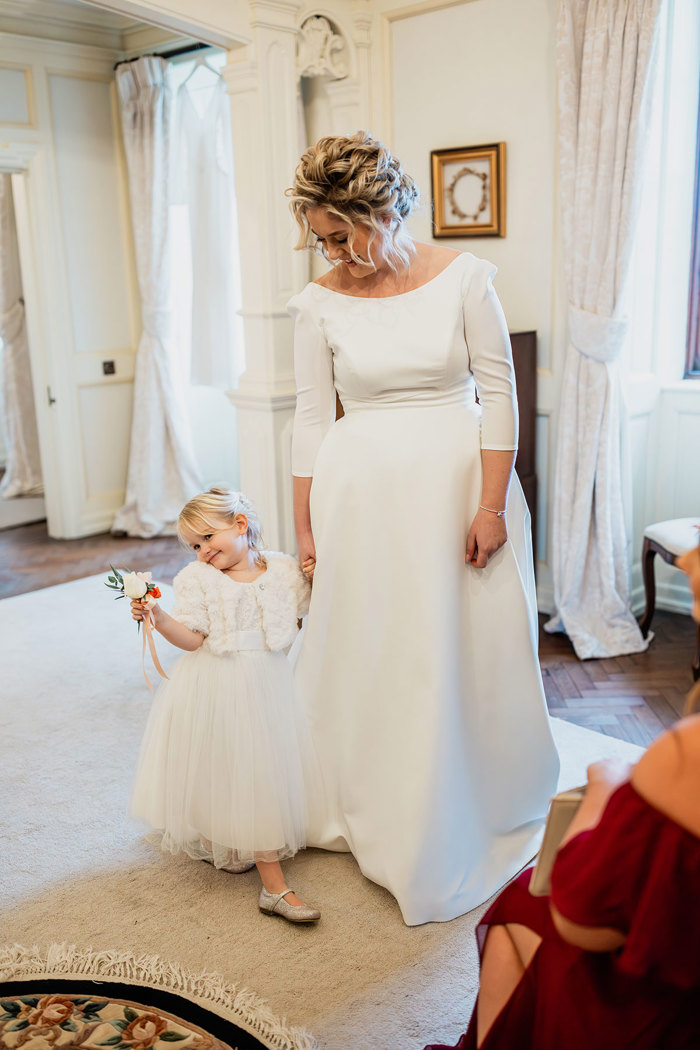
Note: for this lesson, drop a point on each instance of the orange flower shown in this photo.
(144, 1031)
(155, 592)
(52, 1009)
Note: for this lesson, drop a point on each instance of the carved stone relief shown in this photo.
(321, 51)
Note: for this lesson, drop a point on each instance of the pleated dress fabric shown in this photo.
(419, 674)
(223, 768)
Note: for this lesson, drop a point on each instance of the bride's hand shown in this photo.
(307, 556)
(307, 567)
(486, 536)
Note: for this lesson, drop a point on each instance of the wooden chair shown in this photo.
(669, 539)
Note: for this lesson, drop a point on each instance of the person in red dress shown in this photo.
(611, 960)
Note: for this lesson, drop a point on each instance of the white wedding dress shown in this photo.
(419, 673)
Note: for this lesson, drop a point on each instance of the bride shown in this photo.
(419, 663)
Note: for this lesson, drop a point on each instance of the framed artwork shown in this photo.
(469, 191)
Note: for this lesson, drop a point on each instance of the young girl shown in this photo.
(221, 769)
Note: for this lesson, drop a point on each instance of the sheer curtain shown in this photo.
(604, 54)
(206, 262)
(17, 412)
(204, 185)
(163, 472)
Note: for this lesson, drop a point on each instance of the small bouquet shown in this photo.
(139, 586)
(136, 585)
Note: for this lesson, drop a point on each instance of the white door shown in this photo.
(81, 298)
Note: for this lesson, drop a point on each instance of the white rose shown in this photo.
(133, 586)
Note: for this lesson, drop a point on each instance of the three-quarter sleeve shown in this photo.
(490, 359)
(190, 605)
(313, 369)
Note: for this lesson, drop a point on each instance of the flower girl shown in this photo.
(221, 769)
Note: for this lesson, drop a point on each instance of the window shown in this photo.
(692, 365)
(660, 296)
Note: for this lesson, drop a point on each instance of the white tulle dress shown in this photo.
(223, 769)
(419, 673)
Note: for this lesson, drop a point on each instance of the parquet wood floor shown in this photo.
(632, 697)
(30, 559)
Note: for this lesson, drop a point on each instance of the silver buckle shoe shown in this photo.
(275, 904)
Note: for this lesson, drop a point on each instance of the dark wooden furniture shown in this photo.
(668, 539)
(525, 361)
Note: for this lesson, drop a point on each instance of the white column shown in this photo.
(362, 39)
(262, 82)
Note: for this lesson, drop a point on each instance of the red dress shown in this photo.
(639, 872)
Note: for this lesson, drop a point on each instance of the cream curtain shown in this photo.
(204, 152)
(17, 412)
(162, 469)
(604, 54)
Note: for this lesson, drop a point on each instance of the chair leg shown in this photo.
(648, 555)
(696, 665)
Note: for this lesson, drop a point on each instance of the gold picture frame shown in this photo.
(469, 191)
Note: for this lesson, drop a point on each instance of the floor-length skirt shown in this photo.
(221, 771)
(420, 673)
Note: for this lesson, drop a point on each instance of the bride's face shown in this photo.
(690, 564)
(333, 234)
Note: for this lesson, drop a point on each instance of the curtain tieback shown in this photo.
(596, 336)
(157, 321)
(11, 322)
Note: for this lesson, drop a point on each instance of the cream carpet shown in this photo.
(74, 870)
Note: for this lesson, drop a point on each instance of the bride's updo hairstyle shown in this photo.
(204, 513)
(357, 180)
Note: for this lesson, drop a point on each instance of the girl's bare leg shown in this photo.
(274, 881)
(508, 951)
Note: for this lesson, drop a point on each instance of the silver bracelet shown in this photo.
(498, 513)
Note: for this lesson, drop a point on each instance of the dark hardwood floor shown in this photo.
(30, 559)
(632, 697)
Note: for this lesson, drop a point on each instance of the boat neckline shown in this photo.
(384, 298)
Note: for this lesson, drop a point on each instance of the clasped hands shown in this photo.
(307, 557)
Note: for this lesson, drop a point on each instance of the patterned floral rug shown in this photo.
(39, 1014)
(43, 1005)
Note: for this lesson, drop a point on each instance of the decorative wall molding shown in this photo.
(362, 19)
(321, 49)
(42, 49)
(220, 24)
(28, 91)
(17, 156)
(278, 15)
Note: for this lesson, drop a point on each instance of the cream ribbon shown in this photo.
(148, 636)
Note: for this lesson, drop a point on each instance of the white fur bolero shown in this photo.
(206, 601)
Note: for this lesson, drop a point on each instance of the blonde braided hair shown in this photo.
(205, 512)
(357, 180)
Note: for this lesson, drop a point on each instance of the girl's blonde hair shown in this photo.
(205, 512)
(356, 179)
